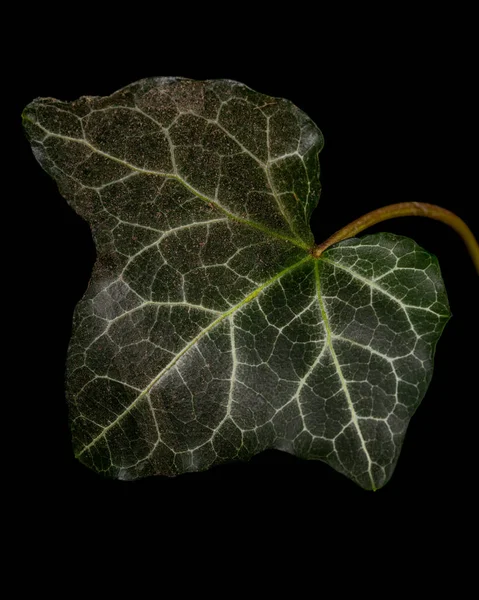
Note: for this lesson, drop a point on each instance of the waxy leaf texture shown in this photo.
(209, 332)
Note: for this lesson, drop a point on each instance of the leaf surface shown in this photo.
(208, 332)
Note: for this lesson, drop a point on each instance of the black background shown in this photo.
(395, 107)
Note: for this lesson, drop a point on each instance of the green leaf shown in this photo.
(209, 332)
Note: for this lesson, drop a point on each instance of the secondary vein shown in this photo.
(192, 343)
(296, 241)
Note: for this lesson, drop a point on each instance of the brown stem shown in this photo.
(404, 209)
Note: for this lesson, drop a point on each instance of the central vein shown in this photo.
(342, 379)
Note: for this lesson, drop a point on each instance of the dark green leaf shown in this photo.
(209, 332)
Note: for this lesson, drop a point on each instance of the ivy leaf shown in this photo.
(209, 332)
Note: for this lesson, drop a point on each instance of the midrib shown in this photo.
(342, 379)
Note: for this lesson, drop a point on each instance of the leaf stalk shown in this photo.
(404, 209)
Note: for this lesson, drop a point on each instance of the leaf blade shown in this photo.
(209, 332)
